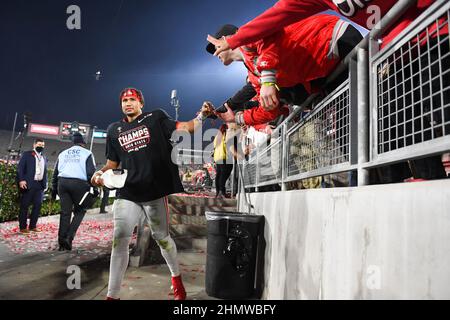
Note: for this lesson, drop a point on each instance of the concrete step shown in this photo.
(199, 244)
(176, 219)
(188, 230)
(193, 206)
(190, 243)
(203, 201)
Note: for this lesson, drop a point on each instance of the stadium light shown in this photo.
(175, 102)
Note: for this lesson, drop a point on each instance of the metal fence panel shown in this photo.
(270, 163)
(411, 88)
(322, 139)
(410, 111)
(250, 171)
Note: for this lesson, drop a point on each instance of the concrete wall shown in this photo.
(374, 242)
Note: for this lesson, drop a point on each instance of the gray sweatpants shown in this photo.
(127, 215)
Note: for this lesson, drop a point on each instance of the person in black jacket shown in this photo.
(32, 181)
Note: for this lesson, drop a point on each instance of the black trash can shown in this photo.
(235, 255)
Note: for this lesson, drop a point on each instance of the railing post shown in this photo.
(284, 155)
(363, 115)
(257, 169)
(241, 184)
(238, 194)
(232, 175)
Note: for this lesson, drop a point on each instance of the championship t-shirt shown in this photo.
(143, 148)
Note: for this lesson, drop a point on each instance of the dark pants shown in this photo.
(235, 181)
(223, 172)
(104, 200)
(33, 196)
(71, 191)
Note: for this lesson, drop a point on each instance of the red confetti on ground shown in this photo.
(91, 235)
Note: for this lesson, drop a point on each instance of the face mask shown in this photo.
(39, 149)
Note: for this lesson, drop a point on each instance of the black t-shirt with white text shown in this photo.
(143, 148)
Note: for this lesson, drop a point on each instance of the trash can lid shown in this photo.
(236, 216)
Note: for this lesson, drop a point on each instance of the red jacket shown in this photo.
(258, 115)
(297, 54)
(286, 12)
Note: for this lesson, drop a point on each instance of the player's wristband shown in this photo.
(201, 117)
(239, 118)
(269, 84)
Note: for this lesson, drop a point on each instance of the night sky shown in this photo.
(156, 46)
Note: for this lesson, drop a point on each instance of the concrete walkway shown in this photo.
(44, 274)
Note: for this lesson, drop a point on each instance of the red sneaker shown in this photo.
(414, 180)
(109, 298)
(178, 289)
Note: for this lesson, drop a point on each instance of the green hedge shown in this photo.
(9, 202)
(9, 205)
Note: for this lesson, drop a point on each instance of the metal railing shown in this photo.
(394, 106)
(320, 143)
(269, 163)
(250, 169)
(410, 91)
(192, 156)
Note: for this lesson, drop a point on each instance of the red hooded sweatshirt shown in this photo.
(362, 12)
(295, 55)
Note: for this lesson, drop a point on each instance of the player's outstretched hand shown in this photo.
(207, 109)
(226, 116)
(220, 44)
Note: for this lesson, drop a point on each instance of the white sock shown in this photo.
(169, 252)
(118, 266)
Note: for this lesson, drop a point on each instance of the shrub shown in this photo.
(9, 193)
